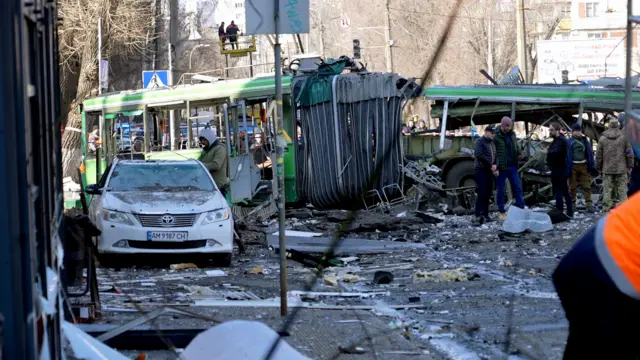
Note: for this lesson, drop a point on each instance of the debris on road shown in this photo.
(447, 275)
(183, 266)
(259, 270)
(520, 220)
(350, 278)
(352, 350)
(320, 245)
(235, 335)
(215, 273)
(382, 277)
(330, 280)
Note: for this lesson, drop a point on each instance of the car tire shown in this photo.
(462, 174)
(111, 261)
(223, 260)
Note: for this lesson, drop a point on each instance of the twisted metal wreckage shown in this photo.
(338, 157)
(350, 126)
(350, 134)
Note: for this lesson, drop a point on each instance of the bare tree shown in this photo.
(127, 28)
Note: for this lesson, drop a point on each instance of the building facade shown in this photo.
(588, 42)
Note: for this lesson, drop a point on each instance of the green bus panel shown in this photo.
(290, 187)
(428, 144)
(90, 171)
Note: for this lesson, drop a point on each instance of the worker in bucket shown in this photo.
(508, 155)
(214, 157)
(486, 169)
(598, 283)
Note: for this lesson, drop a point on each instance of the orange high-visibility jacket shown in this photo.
(617, 243)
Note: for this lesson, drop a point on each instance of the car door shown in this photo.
(95, 206)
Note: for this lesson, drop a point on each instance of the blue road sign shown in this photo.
(155, 79)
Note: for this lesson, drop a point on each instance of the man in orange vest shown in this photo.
(598, 283)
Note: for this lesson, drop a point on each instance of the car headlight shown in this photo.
(117, 217)
(215, 216)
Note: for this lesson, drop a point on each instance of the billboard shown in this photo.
(260, 17)
(584, 59)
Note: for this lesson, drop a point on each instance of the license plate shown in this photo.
(167, 235)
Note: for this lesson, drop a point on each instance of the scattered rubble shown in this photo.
(415, 269)
(183, 266)
(458, 274)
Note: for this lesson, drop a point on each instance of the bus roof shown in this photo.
(198, 95)
(486, 104)
(604, 99)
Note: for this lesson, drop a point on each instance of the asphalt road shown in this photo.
(472, 293)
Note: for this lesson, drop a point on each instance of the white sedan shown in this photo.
(161, 207)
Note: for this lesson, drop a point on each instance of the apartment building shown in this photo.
(588, 42)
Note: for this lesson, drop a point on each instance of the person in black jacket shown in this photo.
(486, 168)
(557, 161)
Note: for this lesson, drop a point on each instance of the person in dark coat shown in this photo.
(581, 165)
(232, 34)
(486, 168)
(634, 176)
(557, 161)
(508, 154)
(222, 34)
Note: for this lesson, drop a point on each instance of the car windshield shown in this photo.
(160, 177)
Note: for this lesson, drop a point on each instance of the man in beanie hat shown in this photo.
(614, 159)
(508, 155)
(486, 169)
(581, 165)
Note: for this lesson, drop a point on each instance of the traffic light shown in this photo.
(356, 49)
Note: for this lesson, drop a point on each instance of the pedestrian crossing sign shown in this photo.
(155, 79)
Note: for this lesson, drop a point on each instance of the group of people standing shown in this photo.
(230, 33)
(571, 161)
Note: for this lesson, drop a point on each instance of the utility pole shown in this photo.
(387, 36)
(490, 49)
(99, 55)
(172, 115)
(322, 39)
(521, 39)
(627, 82)
(280, 165)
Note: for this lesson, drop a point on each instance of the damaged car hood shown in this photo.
(163, 202)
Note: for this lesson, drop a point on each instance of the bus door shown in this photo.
(244, 175)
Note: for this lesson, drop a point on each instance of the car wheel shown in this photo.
(462, 174)
(111, 261)
(223, 260)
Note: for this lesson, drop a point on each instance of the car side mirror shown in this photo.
(93, 189)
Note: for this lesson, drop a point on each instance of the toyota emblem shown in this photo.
(168, 219)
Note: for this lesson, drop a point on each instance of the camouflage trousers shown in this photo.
(614, 190)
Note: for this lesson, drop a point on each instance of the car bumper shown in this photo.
(133, 239)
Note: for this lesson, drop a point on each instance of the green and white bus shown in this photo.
(140, 118)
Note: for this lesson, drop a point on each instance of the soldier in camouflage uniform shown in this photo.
(614, 160)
